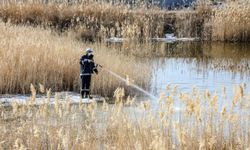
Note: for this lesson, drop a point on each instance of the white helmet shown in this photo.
(89, 50)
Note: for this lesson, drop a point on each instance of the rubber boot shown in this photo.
(82, 94)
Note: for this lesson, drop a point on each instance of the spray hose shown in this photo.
(130, 84)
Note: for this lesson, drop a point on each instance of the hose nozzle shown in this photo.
(100, 65)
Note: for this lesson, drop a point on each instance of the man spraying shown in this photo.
(87, 68)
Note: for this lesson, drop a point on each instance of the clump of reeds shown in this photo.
(34, 55)
(204, 120)
(94, 21)
(231, 22)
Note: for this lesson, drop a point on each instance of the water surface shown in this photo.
(204, 66)
(185, 65)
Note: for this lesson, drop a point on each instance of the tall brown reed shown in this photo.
(95, 20)
(231, 22)
(202, 123)
(34, 55)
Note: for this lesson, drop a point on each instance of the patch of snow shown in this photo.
(169, 38)
(74, 98)
(115, 40)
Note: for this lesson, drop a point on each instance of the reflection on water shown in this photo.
(206, 66)
(203, 66)
(189, 73)
(188, 64)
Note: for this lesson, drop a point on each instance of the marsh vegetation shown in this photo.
(34, 55)
(204, 121)
(201, 88)
(95, 21)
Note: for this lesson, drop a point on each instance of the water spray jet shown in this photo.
(129, 83)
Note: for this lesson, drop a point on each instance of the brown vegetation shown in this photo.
(34, 55)
(95, 21)
(232, 22)
(206, 121)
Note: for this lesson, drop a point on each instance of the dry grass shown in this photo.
(34, 55)
(205, 121)
(95, 21)
(232, 22)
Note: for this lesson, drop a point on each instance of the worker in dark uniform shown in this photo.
(87, 68)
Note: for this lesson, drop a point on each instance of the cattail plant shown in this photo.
(195, 126)
(53, 61)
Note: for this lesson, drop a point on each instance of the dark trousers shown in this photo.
(85, 88)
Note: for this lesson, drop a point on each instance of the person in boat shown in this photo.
(87, 68)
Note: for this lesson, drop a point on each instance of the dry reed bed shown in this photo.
(96, 21)
(206, 121)
(34, 55)
(232, 22)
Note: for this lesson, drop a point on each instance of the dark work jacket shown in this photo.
(87, 65)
